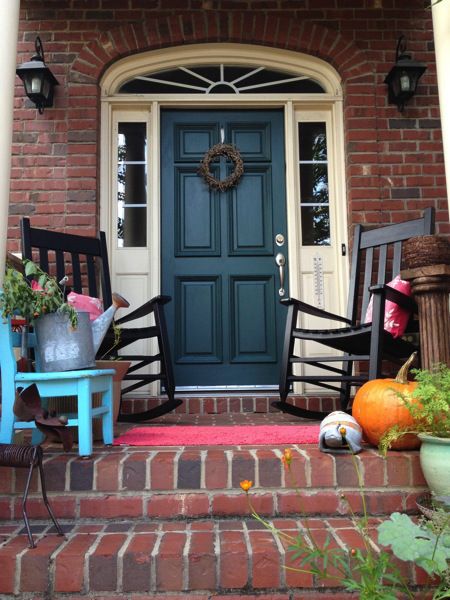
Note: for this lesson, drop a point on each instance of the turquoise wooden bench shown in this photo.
(80, 384)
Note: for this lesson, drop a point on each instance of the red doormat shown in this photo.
(236, 435)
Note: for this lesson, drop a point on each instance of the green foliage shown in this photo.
(390, 436)
(372, 576)
(18, 297)
(368, 572)
(421, 543)
(111, 353)
(430, 410)
(433, 394)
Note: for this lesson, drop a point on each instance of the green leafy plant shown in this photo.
(426, 543)
(20, 298)
(110, 353)
(431, 411)
(369, 573)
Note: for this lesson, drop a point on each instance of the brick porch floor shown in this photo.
(173, 523)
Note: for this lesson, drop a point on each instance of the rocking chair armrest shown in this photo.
(313, 310)
(143, 310)
(396, 296)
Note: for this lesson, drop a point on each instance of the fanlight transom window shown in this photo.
(221, 79)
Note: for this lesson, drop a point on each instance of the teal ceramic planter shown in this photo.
(435, 463)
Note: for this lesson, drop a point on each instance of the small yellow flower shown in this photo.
(246, 485)
(342, 431)
(286, 459)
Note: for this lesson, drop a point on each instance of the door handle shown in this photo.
(281, 262)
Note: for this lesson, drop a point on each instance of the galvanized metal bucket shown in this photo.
(62, 348)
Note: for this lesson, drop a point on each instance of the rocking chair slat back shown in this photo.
(377, 255)
(84, 260)
(61, 254)
(376, 260)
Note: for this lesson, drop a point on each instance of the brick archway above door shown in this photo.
(358, 75)
(313, 39)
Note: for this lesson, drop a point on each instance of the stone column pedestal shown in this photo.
(430, 285)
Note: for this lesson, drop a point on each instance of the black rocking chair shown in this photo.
(376, 259)
(85, 260)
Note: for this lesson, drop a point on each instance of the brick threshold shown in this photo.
(200, 559)
(229, 402)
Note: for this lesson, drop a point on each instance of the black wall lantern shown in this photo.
(403, 77)
(37, 78)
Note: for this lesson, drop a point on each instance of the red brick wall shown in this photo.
(394, 162)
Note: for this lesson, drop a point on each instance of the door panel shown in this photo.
(251, 205)
(253, 332)
(197, 217)
(198, 323)
(218, 248)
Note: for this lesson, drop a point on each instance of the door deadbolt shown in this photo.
(279, 239)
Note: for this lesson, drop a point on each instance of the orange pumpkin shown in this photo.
(377, 407)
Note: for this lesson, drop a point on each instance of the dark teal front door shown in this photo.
(218, 248)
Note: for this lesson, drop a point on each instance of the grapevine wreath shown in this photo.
(222, 150)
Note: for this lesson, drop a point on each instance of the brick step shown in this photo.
(164, 483)
(234, 403)
(171, 560)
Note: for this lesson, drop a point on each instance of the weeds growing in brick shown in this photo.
(366, 571)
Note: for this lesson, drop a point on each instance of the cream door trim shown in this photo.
(116, 107)
(236, 54)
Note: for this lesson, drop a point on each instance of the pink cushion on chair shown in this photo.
(81, 302)
(395, 317)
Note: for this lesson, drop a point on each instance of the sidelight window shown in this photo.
(132, 185)
(314, 190)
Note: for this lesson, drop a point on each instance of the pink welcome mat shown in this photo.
(236, 435)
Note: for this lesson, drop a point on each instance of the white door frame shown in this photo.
(326, 106)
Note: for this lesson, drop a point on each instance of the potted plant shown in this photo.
(429, 407)
(65, 339)
(31, 298)
(30, 294)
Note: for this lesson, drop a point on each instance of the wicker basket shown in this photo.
(426, 250)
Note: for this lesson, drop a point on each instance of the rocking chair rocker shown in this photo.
(85, 260)
(376, 258)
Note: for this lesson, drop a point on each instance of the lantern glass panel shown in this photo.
(46, 88)
(405, 82)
